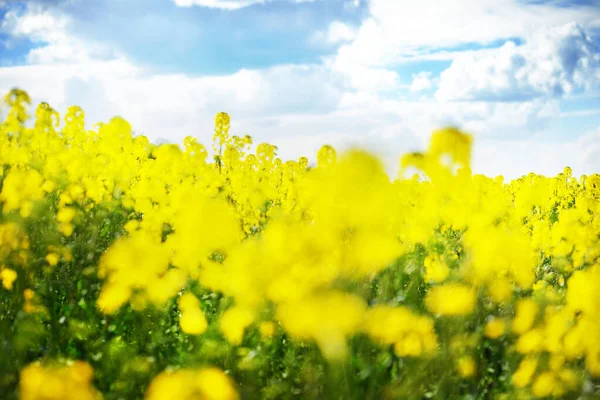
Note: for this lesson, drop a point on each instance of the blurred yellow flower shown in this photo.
(525, 372)
(188, 384)
(61, 382)
(526, 312)
(8, 277)
(193, 322)
(494, 328)
(234, 321)
(267, 329)
(466, 367)
(451, 299)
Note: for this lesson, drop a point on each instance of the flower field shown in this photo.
(130, 270)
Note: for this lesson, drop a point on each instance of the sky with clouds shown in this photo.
(522, 76)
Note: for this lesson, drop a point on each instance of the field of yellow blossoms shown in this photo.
(135, 271)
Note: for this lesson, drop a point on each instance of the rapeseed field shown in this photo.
(131, 270)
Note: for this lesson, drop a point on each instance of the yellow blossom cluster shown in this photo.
(411, 335)
(192, 321)
(303, 250)
(61, 382)
(73, 380)
(206, 383)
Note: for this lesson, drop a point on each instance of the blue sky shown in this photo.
(522, 76)
(201, 40)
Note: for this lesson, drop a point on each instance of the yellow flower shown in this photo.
(584, 291)
(568, 377)
(52, 259)
(451, 299)
(188, 301)
(280, 237)
(466, 367)
(500, 290)
(66, 229)
(453, 142)
(546, 384)
(234, 321)
(494, 328)
(206, 384)
(8, 277)
(411, 334)
(327, 318)
(69, 382)
(216, 384)
(151, 275)
(20, 189)
(531, 341)
(435, 269)
(592, 359)
(410, 345)
(526, 311)
(267, 329)
(524, 373)
(65, 214)
(112, 297)
(193, 322)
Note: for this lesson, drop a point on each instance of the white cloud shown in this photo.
(395, 33)
(552, 63)
(514, 158)
(35, 23)
(509, 137)
(339, 32)
(49, 28)
(365, 79)
(396, 30)
(228, 4)
(176, 104)
(422, 81)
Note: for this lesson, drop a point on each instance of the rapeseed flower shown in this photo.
(289, 258)
(451, 299)
(206, 383)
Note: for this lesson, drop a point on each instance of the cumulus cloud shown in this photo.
(552, 63)
(395, 32)
(339, 32)
(421, 81)
(366, 79)
(49, 28)
(400, 30)
(175, 104)
(36, 24)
